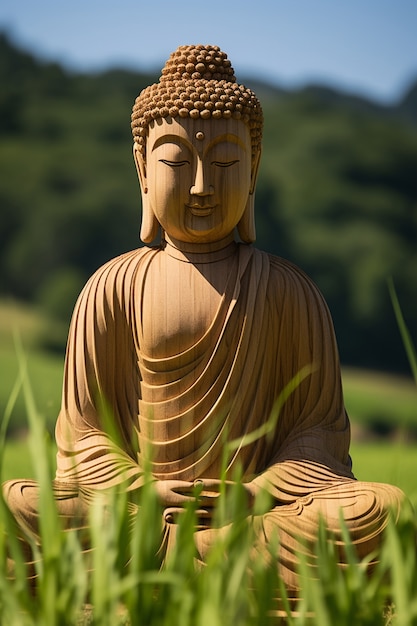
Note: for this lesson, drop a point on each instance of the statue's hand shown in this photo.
(178, 492)
(212, 487)
(208, 489)
(174, 492)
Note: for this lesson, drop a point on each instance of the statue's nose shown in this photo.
(201, 186)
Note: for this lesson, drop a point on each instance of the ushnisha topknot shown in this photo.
(198, 82)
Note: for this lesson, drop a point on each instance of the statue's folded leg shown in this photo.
(365, 508)
(22, 498)
(293, 528)
(73, 503)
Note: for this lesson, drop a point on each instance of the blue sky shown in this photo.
(363, 46)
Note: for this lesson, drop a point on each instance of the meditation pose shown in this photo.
(190, 343)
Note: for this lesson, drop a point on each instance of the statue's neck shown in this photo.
(200, 252)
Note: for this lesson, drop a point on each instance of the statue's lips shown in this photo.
(201, 211)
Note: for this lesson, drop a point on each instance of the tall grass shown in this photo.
(405, 333)
(123, 579)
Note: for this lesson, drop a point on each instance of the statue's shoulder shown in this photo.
(284, 266)
(115, 278)
(124, 263)
(280, 271)
(286, 274)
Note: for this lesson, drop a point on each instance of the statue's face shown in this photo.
(198, 176)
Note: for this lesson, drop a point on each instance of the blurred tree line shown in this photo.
(337, 193)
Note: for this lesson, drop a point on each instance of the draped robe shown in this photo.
(179, 411)
(271, 323)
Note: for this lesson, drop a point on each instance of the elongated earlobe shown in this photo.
(150, 225)
(246, 226)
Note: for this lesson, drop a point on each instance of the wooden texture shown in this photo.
(192, 342)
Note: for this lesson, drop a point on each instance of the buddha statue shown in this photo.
(190, 342)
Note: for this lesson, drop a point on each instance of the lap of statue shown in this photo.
(365, 509)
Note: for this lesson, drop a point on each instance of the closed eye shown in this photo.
(174, 163)
(225, 163)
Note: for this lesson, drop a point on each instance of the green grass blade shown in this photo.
(405, 334)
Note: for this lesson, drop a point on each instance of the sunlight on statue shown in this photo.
(192, 341)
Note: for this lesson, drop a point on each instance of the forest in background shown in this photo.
(337, 194)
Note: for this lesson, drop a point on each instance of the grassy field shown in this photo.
(386, 462)
(20, 324)
(381, 403)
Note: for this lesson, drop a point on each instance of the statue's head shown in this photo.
(197, 144)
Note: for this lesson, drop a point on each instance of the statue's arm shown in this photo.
(310, 446)
(95, 431)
